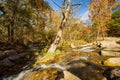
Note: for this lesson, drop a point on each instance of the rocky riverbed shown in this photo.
(73, 64)
(12, 61)
(69, 66)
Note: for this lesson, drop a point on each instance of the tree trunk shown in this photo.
(102, 33)
(59, 34)
(56, 41)
(98, 33)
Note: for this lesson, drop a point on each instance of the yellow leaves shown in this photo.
(80, 42)
(55, 17)
(101, 13)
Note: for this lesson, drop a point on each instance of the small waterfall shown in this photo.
(21, 75)
(43, 66)
(17, 77)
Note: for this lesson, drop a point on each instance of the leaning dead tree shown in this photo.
(66, 8)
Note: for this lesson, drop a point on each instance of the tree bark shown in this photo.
(102, 33)
(60, 31)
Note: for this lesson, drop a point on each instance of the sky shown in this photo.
(82, 11)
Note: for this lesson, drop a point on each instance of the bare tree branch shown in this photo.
(77, 4)
(56, 3)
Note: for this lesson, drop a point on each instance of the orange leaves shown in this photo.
(101, 13)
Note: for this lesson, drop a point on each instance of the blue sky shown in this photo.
(82, 11)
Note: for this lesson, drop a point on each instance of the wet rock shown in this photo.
(6, 62)
(14, 57)
(112, 62)
(7, 53)
(10, 52)
(18, 56)
(2, 55)
(12, 62)
(115, 73)
(84, 69)
(44, 74)
(112, 73)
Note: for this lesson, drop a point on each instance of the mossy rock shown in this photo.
(45, 74)
(47, 57)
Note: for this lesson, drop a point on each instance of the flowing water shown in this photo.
(21, 75)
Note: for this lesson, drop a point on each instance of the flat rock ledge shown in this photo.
(112, 62)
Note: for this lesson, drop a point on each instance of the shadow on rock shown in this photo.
(86, 70)
(112, 73)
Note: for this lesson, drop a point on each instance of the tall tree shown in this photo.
(23, 19)
(15, 13)
(41, 13)
(101, 14)
(114, 26)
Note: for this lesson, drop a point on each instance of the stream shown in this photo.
(79, 64)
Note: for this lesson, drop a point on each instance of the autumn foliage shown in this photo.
(101, 14)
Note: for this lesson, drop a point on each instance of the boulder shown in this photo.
(2, 55)
(69, 76)
(10, 52)
(6, 62)
(112, 73)
(112, 62)
(109, 53)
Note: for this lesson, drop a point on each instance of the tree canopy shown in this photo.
(114, 26)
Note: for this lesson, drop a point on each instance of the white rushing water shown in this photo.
(17, 76)
(41, 66)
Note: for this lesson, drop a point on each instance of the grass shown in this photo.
(47, 57)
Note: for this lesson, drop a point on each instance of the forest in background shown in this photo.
(34, 22)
